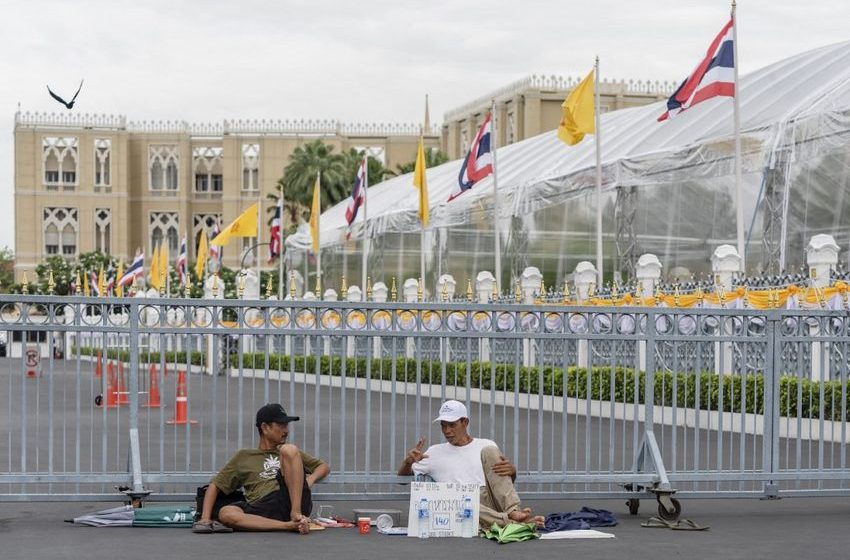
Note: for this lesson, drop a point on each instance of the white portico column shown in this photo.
(648, 274)
(726, 265)
(379, 295)
(822, 258)
(529, 283)
(410, 291)
(485, 283)
(584, 278)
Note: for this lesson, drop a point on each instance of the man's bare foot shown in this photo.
(526, 516)
(303, 525)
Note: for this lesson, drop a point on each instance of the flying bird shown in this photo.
(68, 104)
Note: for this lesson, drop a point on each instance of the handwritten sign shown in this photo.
(445, 507)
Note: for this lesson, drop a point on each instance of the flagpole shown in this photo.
(497, 242)
(319, 236)
(280, 290)
(259, 235)
(739, 195)
(366, 240)
(599, 271)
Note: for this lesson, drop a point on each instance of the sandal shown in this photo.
(657, 523)
(219, 527)
(202, 527)
(688, 525)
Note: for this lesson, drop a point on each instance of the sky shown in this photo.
(367, 61)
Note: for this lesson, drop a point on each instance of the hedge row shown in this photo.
(798, 398)
(197, 358)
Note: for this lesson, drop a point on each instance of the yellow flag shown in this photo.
(201, 256)
(315, 212)
(155, 268)
(578, 116)
(243, 226)
(101, 282)
(119, 289)
(86, 289)
(420, 183)
(163, 265)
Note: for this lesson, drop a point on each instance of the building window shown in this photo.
(164, 227)
(206, 163)
(250, 167)
(59, 158)
(163, 164)
(60, 231)
(203, 224)
(374, 152)
(102, 162)
(102, 229)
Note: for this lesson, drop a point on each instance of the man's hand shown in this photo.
(416, 454)
(413, 456)
(504, 467)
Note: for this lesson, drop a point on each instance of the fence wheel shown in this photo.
(666, 515)
(634, 505)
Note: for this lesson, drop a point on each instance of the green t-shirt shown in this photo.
(255, 470)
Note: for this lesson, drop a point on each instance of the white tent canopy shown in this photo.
(792, 108)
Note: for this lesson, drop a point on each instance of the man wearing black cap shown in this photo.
(276, 478)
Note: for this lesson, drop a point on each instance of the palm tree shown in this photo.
(300, 175)
(375, 171)
(433, 158)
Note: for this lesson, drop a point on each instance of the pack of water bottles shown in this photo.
(443, 510)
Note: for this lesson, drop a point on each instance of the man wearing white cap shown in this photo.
(465, 459)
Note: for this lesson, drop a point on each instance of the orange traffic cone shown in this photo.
(153, 389)
(123, 394)
(181, 403)
(111, 389)
(98, 368)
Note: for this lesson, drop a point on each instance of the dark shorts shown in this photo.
(277, 505)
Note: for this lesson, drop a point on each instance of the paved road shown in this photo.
(740, 529)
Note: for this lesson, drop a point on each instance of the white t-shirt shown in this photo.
(451, 463)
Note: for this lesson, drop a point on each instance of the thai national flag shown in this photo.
(136, 269)
(478, 163)
(275, 244)
(182, 261)
(358, 193)
(94, 289)
(110, 279)
(714, 75)
(216, 251)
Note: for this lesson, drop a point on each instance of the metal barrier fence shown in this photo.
(632, 402)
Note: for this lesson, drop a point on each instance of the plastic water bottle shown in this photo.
(466, 529)
(424, 521)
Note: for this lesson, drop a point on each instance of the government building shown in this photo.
(102, 183)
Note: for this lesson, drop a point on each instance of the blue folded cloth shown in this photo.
(583, 519)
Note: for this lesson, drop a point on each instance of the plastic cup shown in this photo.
(363, 524)
(383, 522)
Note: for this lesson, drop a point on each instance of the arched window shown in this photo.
(60, 231)
(165, 228)
(59, 158)
(103, 227)
(250, 167)
(163, 162)
(102, 162)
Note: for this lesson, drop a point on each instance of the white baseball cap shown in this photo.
(452, 411)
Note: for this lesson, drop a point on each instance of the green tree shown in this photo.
(7, 269)
(433, 158)
(299, 176)
(375, 170)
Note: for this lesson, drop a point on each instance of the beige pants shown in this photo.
(498, 497)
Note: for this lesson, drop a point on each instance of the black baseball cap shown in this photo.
(274, 412)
